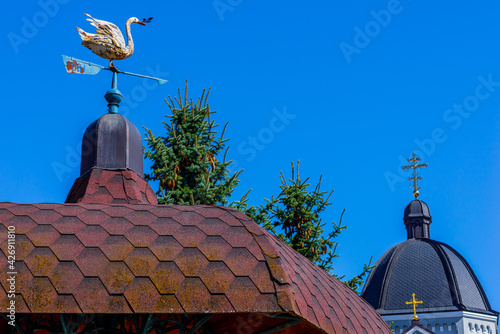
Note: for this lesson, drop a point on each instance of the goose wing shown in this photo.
(94, 38)
(107, 31)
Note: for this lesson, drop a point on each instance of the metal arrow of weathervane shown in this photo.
(109, 44)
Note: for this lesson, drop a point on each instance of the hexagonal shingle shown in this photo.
(140, 217)
(268, 248)
(262, 279)
(142, 295)
(141, 261)
(66, 277)
(22, 209)
(215, 248)
(238, 236)
(141, 236)
(47, 206)
(217, 277)
(91, 261)
(193, 296)
(229, 219)
(24, 246)
(3, 260)
(93, 217)
(212, 226)
(45, 216)
(134, 191)
(166, 248)
(91, 295)
(5, 215)
(163, 211)
(65, 304)
(116, 277)
(23, 224)
(240, 261)
(3, 232)
(219, 304)
(117, 211)
(4, 302)
(40, 294)
(117, 226)
(165, 226)
(239, 215)
(70, 210)
(116, 247)
(23, 278)
(117, 304)
(276, 269)
(68, 225)
(209, 211)
(92, 235)
(255, 249)
(253, 227)
(189, 236)
(167, 277)
(41, 261)
(21, 305)
(43, 235)
(188, 218)
(169, 304)
(115, 187)
(67, 247)
(191, 262)
(242, 294)
(266, 301)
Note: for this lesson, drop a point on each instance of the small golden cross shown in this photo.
(414, 303)
(415, 176)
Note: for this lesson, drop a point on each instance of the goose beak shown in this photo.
(142, 23)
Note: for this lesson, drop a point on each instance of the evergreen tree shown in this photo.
(185, 161)
(294, 217)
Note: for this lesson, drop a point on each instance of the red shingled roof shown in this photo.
(111, 187)
(123, 258)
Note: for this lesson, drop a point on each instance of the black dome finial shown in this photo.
(417, 218)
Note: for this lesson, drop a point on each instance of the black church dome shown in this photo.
(434, 271)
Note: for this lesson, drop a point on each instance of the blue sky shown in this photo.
(350, 88)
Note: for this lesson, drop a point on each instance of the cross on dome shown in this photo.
(415, 177)
(414, 302)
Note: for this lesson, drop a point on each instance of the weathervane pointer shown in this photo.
(79, 66)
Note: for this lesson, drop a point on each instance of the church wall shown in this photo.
(473, 323)
(448, 325)
(457, 322)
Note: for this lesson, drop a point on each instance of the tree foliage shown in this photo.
(185, 161)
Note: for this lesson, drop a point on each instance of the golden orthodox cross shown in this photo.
(415, 177)
(414, 303)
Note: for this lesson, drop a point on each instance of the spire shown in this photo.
(415, 177)
(417, 216)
